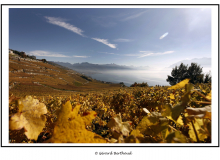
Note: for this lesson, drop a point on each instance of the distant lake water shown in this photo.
(153, 77)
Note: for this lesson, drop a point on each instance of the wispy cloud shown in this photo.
(109, 53)
(122, 40)
(46, 54)
(105, 41)
(167, 52)
(148, 53)
(81, 56)
(164, 35)
(133, 16)
(61, 22)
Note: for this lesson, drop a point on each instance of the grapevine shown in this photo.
(177, 114)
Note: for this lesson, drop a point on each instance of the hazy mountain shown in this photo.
(203, 62)
(97, 68)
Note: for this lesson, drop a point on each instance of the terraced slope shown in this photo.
(32, 77)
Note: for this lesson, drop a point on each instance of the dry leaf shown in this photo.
(116, 125)
(204, 112)
(30, 116)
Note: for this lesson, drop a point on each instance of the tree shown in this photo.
(208, 77)
(178, 74)
(193, 72)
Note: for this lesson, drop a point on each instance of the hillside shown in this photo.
(33, 77)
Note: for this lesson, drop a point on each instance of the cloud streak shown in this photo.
(81, 56)
(122, 40)
(105, 41)
(133, 16)
(164, 35)
(148, 53)
(46, 54)
(61, 22)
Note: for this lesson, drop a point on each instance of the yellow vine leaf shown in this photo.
(89, 117)
(198, 124)
(179, 108)
(116, 125)
(209, 95)
(71, 127)
(137, 133)
(172, 96)
(180, 84)
(30, 116)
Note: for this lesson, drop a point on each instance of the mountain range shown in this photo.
(97, 68)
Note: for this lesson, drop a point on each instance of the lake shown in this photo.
(152, 77)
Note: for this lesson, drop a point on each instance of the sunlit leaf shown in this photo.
(180, 84)
(172, 96)
(30, 116)
(198, 123)
(209, 95)
(70, 127)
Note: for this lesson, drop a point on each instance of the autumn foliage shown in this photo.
(177, 114)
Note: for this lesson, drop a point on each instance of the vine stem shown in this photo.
(202, 102)
(172, 128)
(197, 138)
(202, 95)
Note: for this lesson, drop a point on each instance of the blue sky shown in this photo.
(125, 36)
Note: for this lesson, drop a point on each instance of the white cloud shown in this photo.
(133, 16)
(148, 53)
(164, 35)
(123, 40)
(109, 53)
(167, 52)
(61, 22)
(81, 56)
(46, 54)
(105, 41)
(145, 55)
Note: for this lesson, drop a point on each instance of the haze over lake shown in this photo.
(152, 77)
(130, 74)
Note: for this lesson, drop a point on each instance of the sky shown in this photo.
(124, 36)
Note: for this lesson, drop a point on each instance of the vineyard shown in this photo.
(177, 114)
